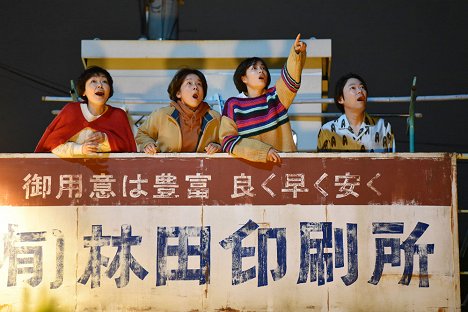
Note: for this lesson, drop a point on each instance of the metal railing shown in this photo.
(387, 99)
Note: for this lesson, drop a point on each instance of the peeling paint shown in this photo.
(227, 309)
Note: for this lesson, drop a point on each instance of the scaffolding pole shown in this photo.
(411, 116)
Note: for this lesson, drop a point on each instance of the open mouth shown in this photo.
(99, 93)
(195, 96)
(361, 98)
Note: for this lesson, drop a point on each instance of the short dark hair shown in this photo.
(93, 71)
(241, 70)
(178, 79)
(339, 87)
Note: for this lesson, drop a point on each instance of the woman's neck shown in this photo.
(251, 93)
(96, 110)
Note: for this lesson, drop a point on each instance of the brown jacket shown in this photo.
(162, 128)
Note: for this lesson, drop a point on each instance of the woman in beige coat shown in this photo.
(187, 125)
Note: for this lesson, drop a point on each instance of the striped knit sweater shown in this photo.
(262, 122)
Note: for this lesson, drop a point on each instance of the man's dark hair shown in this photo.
(178, 79)
(242, 69)
(93, 71)
(339, 87)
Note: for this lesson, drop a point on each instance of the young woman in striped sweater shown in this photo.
(255, 124)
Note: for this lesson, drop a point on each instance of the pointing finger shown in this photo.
(298, 38)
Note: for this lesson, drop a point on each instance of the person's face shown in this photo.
(97, 90)
(191, 91)
(354, 96)
(256, 76)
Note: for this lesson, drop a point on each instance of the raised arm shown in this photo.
(290, 81)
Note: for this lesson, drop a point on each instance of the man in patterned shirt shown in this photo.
(354, 130)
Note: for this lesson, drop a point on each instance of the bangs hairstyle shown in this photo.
(93, 71)
(241, 70)
(339, 87)
(178, 79)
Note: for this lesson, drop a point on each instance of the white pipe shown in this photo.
(394, 99)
